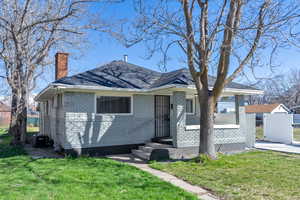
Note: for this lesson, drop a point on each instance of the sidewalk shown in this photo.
(280, 147)
(200, 192)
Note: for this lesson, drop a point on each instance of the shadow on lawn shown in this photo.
(7, 150)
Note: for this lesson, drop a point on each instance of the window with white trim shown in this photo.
(189, 106)
(113, 105)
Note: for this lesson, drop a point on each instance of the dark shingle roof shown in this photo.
(120, 74)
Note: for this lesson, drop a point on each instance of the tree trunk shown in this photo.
(207, 140)
(18, 123)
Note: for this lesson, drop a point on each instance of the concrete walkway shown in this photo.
(200, 192)
(285, 148)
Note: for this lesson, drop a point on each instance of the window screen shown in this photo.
(189, 105)
(107, 104)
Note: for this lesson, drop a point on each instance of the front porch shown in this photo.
(182, 142)
(185, 128)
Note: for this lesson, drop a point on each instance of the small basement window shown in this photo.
(189, 106)
(113, 105)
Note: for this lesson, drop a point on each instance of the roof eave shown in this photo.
(46, 92)
(55, 86)
(286, 108)
(236, 90)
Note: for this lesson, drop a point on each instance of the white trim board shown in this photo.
(216, 126)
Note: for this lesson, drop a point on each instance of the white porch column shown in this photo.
(179, 118)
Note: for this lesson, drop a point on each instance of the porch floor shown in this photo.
(164, 140)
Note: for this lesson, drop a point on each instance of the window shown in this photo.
(113, 105)
(226, 105)
(189, 106)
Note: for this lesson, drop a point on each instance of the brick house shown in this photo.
(121, 106)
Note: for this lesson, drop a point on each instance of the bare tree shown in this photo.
(29, 30)
(223, 37)
(283, 89)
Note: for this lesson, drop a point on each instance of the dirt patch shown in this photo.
(37, 153)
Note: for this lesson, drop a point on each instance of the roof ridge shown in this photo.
(180, 69)
(129, 73)
(85, 71)
(138, 66)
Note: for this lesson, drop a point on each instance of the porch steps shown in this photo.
(164, 140)
(146, 152)
(158, 145)
(146, 149)
(141, 154)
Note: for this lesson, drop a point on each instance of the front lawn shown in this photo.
(251, 175)
(260, 134)
(83, 178)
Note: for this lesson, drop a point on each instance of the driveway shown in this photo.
(286, 148)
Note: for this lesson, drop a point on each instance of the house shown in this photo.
(120, 106)
(260, 109)
(4, 114)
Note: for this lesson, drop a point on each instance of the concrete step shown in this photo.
(141, 154)
(158, 145)
(146, 149)
(165, 140)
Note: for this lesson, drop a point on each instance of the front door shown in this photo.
(162, 116)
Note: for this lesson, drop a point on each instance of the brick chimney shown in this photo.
(61, 65)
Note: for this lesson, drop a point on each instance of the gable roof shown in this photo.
(262, 108)
(120, 74)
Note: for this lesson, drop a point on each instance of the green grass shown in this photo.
(260, 134)
(297, 134)
(32, 129)
(251, 175)
(83, 178)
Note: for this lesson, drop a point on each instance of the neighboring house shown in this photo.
(120, 106)
(260, 109)
(4, 114)
(295, 109)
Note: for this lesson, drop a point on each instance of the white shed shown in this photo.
(261, 109)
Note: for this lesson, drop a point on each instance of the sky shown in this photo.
(104, 49)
